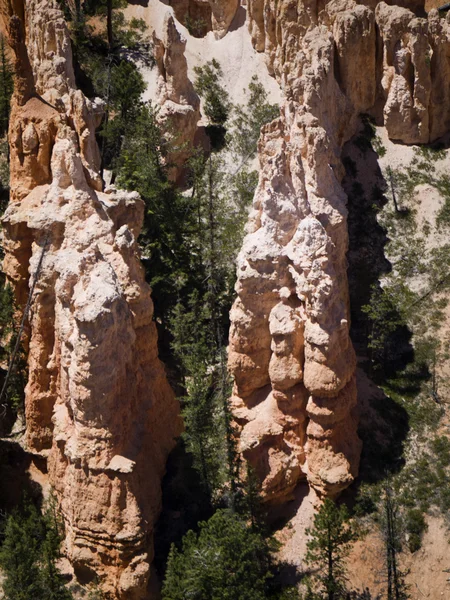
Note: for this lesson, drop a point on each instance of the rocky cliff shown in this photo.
(98, 405)
(201, 16)
(290, 353)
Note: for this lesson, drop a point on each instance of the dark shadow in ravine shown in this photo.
(366, 190)
(279, 515)
(238, 19)
(184, 504)
(143, 3)
(384, 423)
(14, 475)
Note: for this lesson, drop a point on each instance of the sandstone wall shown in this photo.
(98, 404)
(290, 351)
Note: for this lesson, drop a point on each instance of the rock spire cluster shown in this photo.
(98, 404)
(290, 352)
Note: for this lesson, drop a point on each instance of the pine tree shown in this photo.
(170, 256)
(247, 121)
(29, 553)
(332, 537)
(207, 84)
(225, 561)
(199, 328)
(251, 506)
(20, 555)
(52, 579)
(396, 587)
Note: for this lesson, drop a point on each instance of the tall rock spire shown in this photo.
(98, 405)
(290, 351)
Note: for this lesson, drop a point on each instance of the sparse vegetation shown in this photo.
(247, 120)
(28, 554)
(331, 539)
(217, 105)
(407, 348)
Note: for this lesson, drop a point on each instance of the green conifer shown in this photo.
(331, 539)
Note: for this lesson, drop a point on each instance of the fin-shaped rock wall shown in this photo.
(98, 404)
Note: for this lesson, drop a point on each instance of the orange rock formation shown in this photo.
(201, 16)
(290, 352)
(98, 404)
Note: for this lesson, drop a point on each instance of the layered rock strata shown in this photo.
(98, 404)
(290, 353)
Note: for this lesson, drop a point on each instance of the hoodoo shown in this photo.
(290, 351)
(101, 417)
(98, 405)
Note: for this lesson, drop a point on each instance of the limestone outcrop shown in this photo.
(98, 405)
(175, 94)
(290, 353)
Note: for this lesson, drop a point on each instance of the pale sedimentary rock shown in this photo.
(98, 404)
(175, 94)
(406, 80)
(290, 352)
(416, 65)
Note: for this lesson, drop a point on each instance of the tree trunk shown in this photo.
(394, 197)
(109, 12)
(78, 11)
(330, 569)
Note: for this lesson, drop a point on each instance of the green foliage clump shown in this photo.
(224, 561)
(15, 390)
(169, 215)
(197, 27)
(247, 120)
(6, 87)
(415, 526)
(384, 319)
(217, 105)
(199, 325)
(28, 555)
(105, 66)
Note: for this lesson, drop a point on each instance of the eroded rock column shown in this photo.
(290, 352)
(98, 404)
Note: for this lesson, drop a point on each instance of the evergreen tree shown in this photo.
(29, 553)
(384, 321)
(251, 506)
(199, 328)
(169, 254)
(331, 539)
(52, 579)
(248, 120)
(396, 587)
(20, 555)
(217, 105)
(225, 561)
